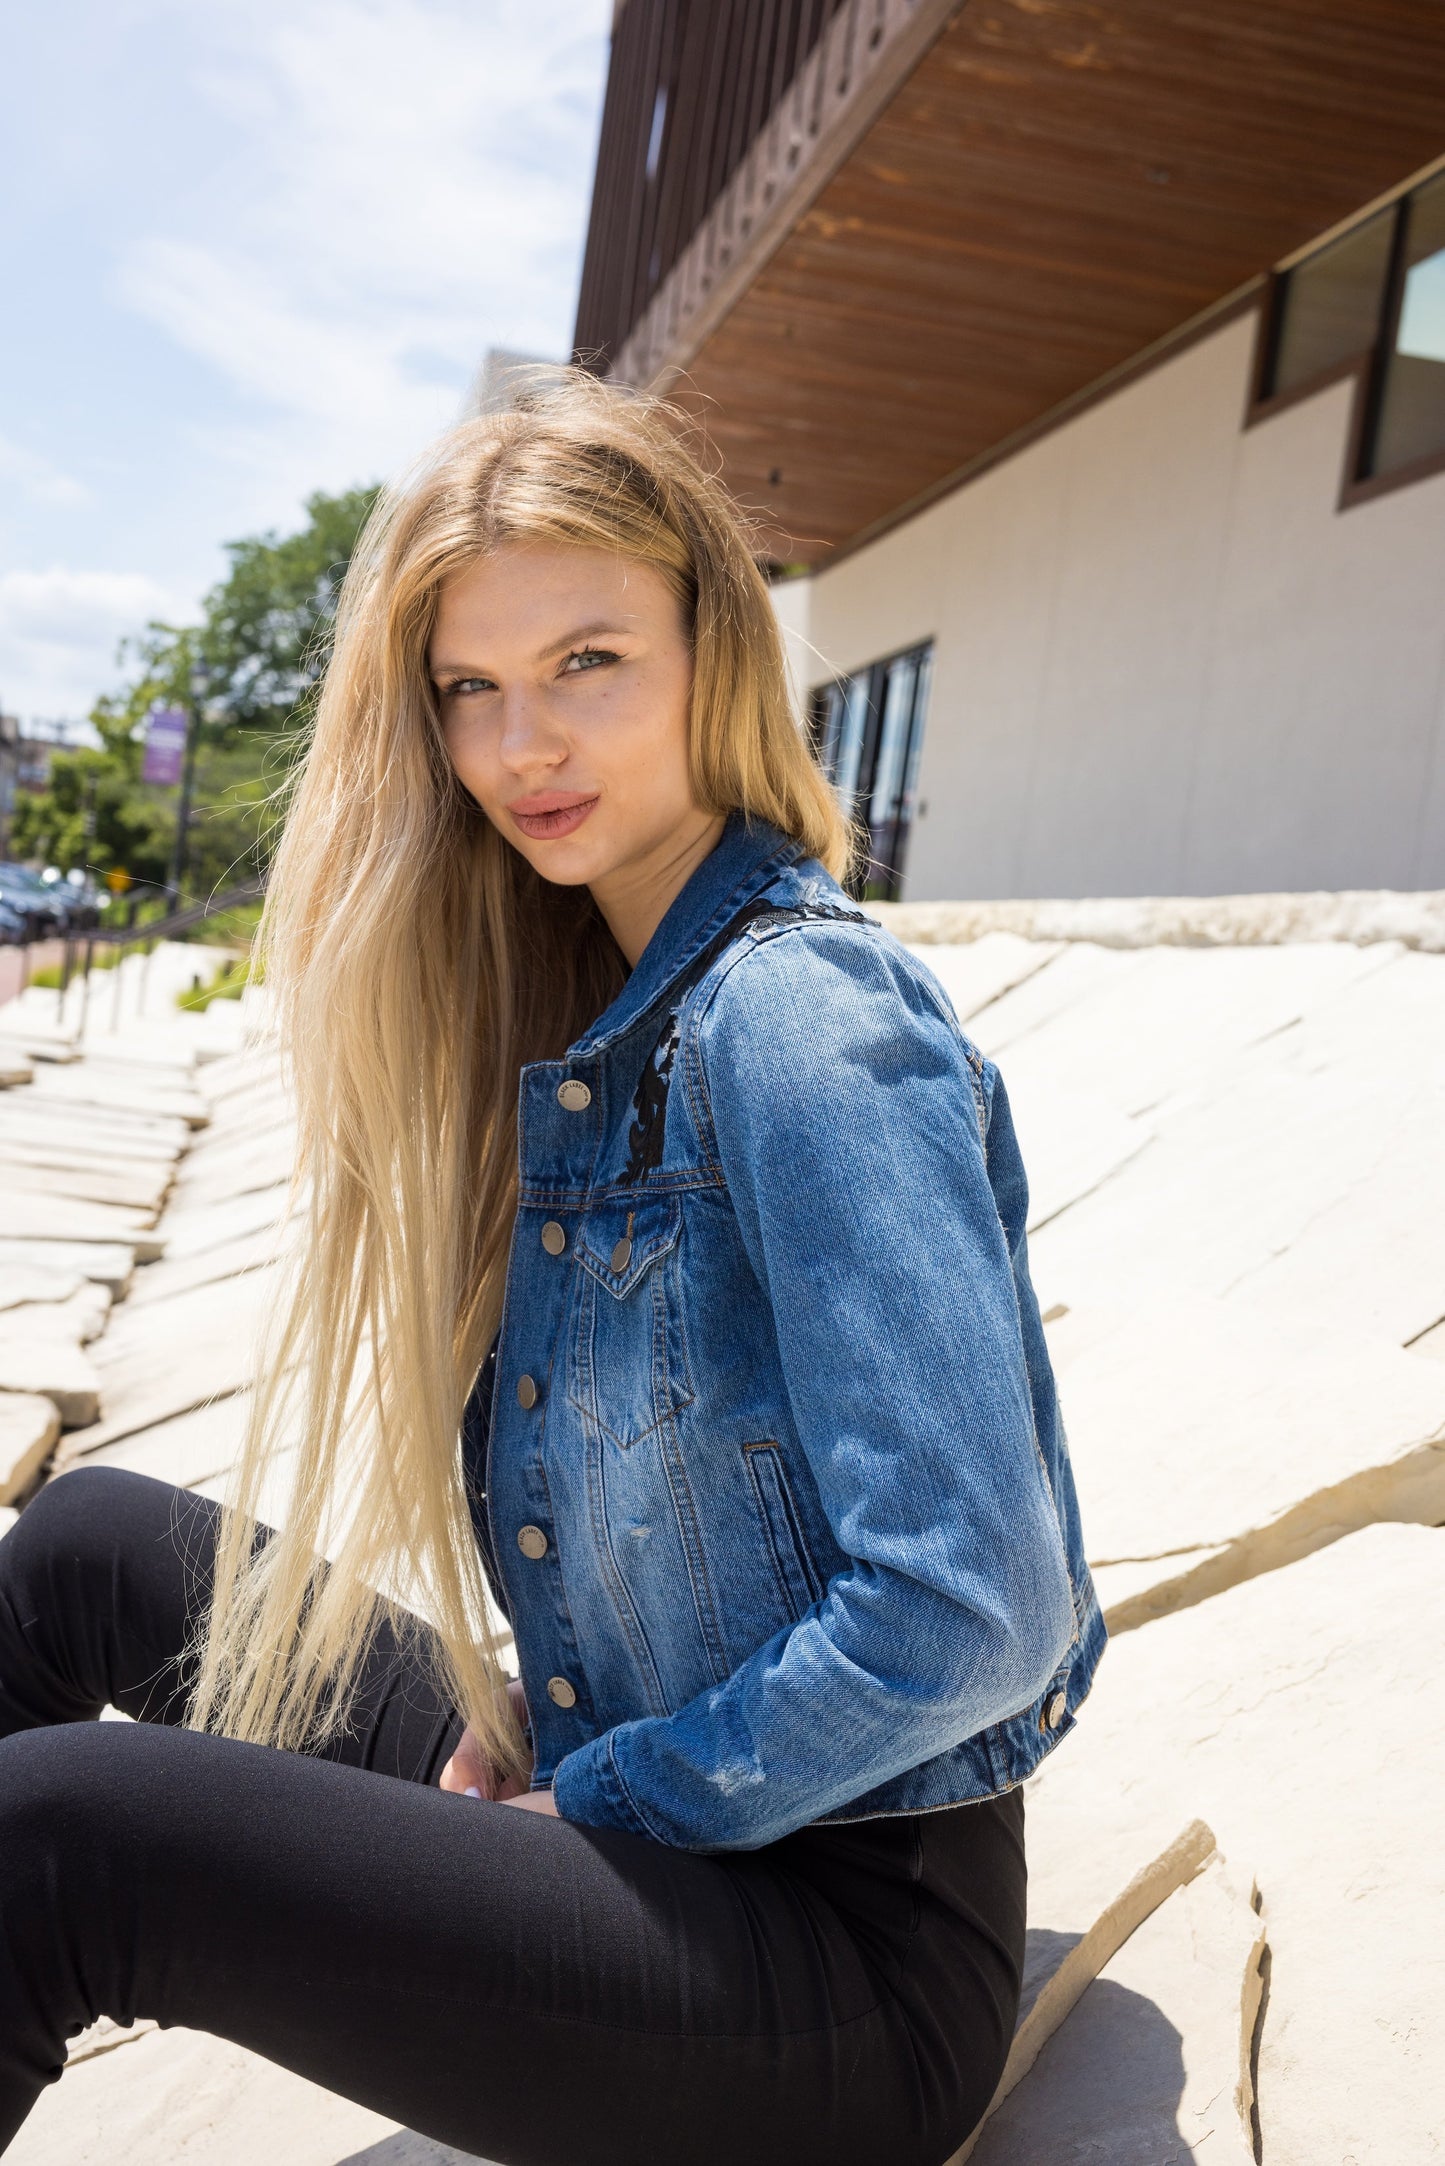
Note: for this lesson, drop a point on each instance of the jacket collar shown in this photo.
(749, 855)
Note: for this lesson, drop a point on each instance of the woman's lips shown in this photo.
(547, 818)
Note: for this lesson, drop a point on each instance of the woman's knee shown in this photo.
(57, 1793)
(85, 1512)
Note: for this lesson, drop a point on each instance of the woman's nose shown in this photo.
(529, 737)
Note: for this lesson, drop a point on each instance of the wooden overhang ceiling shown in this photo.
(1057, 185)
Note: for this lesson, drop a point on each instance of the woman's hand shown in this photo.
(470, 1774)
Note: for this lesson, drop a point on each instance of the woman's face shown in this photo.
(563, 679)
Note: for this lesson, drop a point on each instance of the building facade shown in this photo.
(1086, 373)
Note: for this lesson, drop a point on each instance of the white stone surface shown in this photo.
(166, 1357)
(975, 972)
(29, 1427)
(190, 1231)
(54, 1369)
(30, 1172)
(1154, 2062)
(1219, 1440)
(1415, 917)
(189, 1449)
(44, 1283)
(1295, 1714)
(64, 1218)
(108, 1263)
(80, 1317)
(179, 2098)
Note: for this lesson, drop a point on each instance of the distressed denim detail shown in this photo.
(814, 1548)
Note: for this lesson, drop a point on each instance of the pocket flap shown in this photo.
(620, 1239)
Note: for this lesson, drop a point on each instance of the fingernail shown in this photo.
(472, 1792)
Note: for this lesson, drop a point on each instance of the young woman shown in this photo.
(663, 1271)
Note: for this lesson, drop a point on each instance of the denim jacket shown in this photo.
(766, 1464)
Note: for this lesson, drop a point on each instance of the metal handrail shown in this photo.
(124, 936)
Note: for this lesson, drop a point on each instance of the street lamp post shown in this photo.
(200, 685)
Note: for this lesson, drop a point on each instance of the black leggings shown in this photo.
(516, 1986)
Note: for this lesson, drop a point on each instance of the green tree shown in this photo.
(263, 639)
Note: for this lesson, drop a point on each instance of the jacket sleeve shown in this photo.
(847, 1127)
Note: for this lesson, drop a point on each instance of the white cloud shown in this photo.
(37, 479)
(283, 233)
(405, 191)
(59, 630)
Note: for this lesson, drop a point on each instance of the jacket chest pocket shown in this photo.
(628, 1369)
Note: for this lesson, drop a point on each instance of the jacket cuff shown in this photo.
(587, 1786)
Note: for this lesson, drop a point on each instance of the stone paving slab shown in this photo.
(29, 1427)
(180, 2096)
(192, 1230)
(66, 1218)
(18, 1285)
(53, 1369)
(84, 1177)
(1154, 2062)
(170, 1356)
(1215, 1441)
(24, 1119)
(227, 1259)
(984, 970)
(1294, 1713)
(109, 1263)
(188, 1449)
(79, 1316)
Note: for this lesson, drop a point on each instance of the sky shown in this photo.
(249, 249)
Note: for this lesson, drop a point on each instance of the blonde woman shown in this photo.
(662, 1271)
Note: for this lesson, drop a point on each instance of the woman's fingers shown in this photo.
(467, 1773)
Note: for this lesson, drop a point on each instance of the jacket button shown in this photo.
(527, 1392)
(1056, 1710)
(560, 1693)
(622, 1254)
(573, 1096)
(554, 1237)
(532, 1542)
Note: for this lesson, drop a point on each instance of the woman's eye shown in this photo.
(468, 684)
(586, 657)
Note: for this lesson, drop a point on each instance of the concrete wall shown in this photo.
(1164, 662)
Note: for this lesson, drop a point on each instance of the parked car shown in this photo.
(25, 891)
(14, 926)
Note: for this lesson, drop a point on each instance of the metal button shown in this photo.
(622, 1254)
(532, 1542)
(560, 1693)
(1056, 1710)
(573, 1096)
(554, 1237)
(527, 1392)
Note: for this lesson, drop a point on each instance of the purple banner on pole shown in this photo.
(165, 745)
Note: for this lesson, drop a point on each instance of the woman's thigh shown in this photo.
(522, 1988)
(104, 1583)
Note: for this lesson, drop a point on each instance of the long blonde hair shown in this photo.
(415, 962)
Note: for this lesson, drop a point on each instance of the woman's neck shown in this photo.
(637, 896)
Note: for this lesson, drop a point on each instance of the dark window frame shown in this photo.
(878, 879)
(1366, 370)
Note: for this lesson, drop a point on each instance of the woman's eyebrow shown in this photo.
(603, 627)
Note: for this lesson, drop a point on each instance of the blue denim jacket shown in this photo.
(766, 1464)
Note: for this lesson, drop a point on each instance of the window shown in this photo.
(868, 729)
(1329, 311)
(1410, 426)
(1372, 300)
